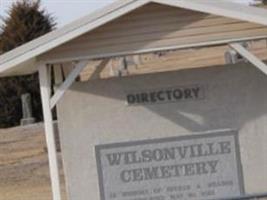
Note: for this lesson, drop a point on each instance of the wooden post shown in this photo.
(45, 86)
(58, 75)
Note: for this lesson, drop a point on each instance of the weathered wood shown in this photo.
(154, 27)
(250, 57)
(67, 83)
(176, 60)
(145, 35)
(58, 73)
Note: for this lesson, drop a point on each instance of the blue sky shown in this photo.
(64, 11)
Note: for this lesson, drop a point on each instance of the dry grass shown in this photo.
(24, 171)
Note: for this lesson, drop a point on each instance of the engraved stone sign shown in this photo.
(191, 167)
(166, 95)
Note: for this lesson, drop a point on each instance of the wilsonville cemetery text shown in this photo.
(193, 167)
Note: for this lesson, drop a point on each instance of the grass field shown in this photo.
(24, 171)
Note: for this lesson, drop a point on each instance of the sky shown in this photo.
(64, 11)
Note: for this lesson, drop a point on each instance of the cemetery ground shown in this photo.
(24, 173)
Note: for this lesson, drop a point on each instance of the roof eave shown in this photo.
(30, 51)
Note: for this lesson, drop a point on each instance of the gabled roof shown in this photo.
(22, 60)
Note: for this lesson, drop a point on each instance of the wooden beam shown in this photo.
(222, 8)
(152, 50)
(249, 56)
(67, 83)
(49, 78)
(67, 68)
(99, 68)
(58, 74)
(49, 130)
(56, 38)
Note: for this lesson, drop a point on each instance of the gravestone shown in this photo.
(27, 117)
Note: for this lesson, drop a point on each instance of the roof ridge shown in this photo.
(28, 52)
(67, 28)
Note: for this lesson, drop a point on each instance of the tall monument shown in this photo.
(27, 117)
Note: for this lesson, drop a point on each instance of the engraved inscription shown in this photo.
(193, 167)
(166, 95)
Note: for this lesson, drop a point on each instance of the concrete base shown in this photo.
(27, 121)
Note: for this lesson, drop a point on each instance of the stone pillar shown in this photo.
(26, 110)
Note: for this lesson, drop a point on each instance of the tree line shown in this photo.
(25, 21)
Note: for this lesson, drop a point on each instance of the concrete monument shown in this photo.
(155, 137)
(27, 117)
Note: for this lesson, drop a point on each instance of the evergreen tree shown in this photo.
(25, 21)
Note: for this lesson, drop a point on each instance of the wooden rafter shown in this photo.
(67, 83)
(249, 56)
